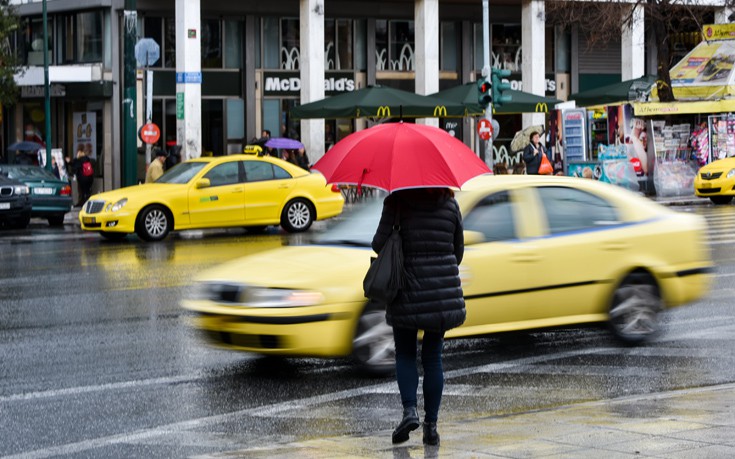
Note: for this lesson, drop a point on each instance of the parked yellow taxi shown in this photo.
(716, 181)
(540, 252)
(237, 190)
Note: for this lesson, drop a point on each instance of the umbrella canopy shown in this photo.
(25, 146)
(397, 156)
(521, 102)
(625, 91)
(379, 102)
(283, 142)
(523, 137)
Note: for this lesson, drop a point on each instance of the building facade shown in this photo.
(259, 59)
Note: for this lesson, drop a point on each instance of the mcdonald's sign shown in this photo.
(541, 107)
(383, 112)
(440, 111)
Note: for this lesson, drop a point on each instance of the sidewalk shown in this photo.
(689, 423)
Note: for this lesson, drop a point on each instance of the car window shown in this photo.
(223, 174)
(29, 172)
(280, 173)
(493, 217)
(257, 171)
(569, 209)
(182, 172)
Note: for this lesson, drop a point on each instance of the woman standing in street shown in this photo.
(431, 298)
(532, 154)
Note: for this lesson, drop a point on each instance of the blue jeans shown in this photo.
(407, 373)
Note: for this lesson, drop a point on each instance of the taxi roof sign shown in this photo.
(253, 149)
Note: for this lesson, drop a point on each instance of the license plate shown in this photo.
(4, 205)
(43, 191)
(706, 185)
(89, 220)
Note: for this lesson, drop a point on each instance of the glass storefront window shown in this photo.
(233, 41)
(290, 40)
(449, 46)
(213, 127)
(344, 44)
(169, 44)
(211, 43)
(34, 41)
(506, 47)
(271, 44)
(361, 45)
(394, 45)
(82, 37)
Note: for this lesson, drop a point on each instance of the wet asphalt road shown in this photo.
(96, 359)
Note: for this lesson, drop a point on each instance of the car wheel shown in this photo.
(719, 200)
(297, 216)
(154, 223)
(373, 347)
(56, 220)
(113, 236)
(634, 308)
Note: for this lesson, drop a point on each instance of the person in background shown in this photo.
(155, 168)
(288, 155)
(430, 300)
(532, 154)
(301, 159)
(519, 168)
(84, 173)
(500, 169)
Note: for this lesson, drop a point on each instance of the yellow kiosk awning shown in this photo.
(683, 107)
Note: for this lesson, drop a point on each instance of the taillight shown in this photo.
(335, 188)
(66, 190)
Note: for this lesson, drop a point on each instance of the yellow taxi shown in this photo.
(540, 252)
(716, 181)
(226, 191)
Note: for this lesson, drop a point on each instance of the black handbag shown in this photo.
(385, 276)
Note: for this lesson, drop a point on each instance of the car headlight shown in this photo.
(117, 206)
(256, 297)
(21, 189)
(731, 174)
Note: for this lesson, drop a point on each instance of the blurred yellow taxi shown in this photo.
(540, 252)
(224, 191)
(716, 181)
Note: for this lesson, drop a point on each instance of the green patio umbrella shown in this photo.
(625, 91)
(521, 102)
(379, 102)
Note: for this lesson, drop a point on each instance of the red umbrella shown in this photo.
(396, 156)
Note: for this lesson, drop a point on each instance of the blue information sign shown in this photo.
(188, 77)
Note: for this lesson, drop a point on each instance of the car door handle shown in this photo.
(284, 186)
(526, 257)
(237, 190)
(615, 246)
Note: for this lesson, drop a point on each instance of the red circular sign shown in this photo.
(484, 129)
(149, 133)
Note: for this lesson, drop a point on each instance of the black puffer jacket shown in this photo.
(433, 246)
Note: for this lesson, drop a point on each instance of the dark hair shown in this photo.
(267, 132)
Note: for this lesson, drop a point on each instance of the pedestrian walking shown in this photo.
(430, 300)
(301, 159)
(155, 168)
(84, 173)
(532, 154)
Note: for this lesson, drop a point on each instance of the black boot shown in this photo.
(431, 436)
(409, 423)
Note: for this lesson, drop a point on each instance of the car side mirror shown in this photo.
(203, 183)
(473, 237)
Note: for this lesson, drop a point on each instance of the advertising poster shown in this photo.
(85, 135)
(709, 64)
(57, 158)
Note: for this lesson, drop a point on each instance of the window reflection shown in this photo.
(394, 45)
(493, 217)
(569, 209)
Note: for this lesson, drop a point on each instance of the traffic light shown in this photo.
(498, 86)
(484, 92)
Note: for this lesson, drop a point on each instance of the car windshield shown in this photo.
(356, 227)
(182, 173)
(26, 172)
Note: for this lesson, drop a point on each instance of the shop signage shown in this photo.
(179, 105)
(289, 83)
(516, 83)
(29, 92)
(719, 31)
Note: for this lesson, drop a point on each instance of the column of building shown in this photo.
(533, 66)
(312, 72)
(188, 78)
(426, 19)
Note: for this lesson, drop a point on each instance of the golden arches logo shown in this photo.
(440, 111)
(383, 112)
(541, 107)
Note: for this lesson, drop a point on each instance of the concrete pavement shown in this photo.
(688, 423)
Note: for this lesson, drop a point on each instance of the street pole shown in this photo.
(486, 74)
(46, 88)
(129, 115)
